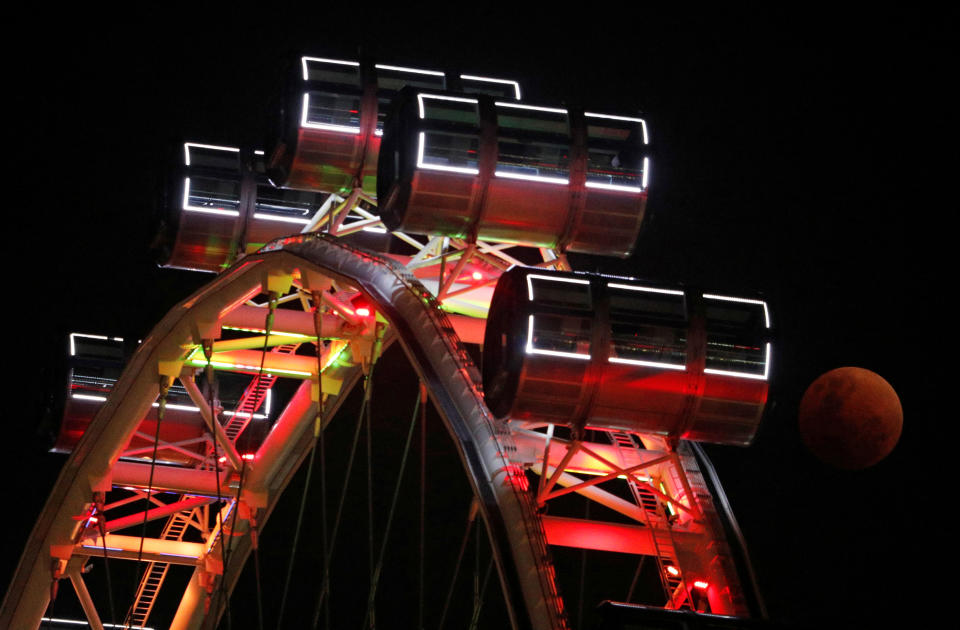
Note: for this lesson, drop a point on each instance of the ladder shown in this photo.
(250, 402)
(655, 515)
(156, 572)
(253, 397)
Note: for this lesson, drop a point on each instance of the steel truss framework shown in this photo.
(661, 504)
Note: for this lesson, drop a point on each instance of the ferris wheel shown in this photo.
(432, 213)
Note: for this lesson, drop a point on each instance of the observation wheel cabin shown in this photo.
(481, 167)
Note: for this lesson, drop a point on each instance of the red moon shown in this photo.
(850, 418)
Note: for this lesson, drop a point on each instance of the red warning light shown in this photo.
(222, 459)
(672, 570)
(701, 584)
(477, 275)
(249, 456)
(363, 311)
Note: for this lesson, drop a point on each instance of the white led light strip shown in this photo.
(175, 407)
(188, 207)
(532, 178)
(655, 364)
(615, 285)
(195, 145)
(432, 73)
(536, 108)
(726, 298)
(643, 123)
(617, 187)
(549, 279)
(271, 217)
(73, 346)
(550, 353)
(516, 86)
(329, 127)
(440, 167)
(304, 60)
(759, 377)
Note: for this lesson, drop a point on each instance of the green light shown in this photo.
(254, 368)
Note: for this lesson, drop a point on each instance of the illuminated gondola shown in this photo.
(333, 118)
(96, 362)
(480, 167)
(603, 352)
(219, 206)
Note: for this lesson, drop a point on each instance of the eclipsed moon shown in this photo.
(850, 418)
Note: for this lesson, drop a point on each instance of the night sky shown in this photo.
(795, 155)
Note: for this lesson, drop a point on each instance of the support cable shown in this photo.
(476, 576)
(471, 515)
(483, 595)
(583, 570)
(210, 382)
(636, 576)
(423, 499)
(371, 617)
(106, 568)
(268, 326)
(320, 433)
(317, 432)
(325, 585)
(256, 573)
(165, 383)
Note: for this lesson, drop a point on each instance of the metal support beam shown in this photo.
(249, 362)
(259, 342)
(601, 479)
(172, 479)
(284, 321)
(222, 440)
(296, 418)
(132, 520)
(601, 536)
(640, 482)
(154, 549)
(593, 493)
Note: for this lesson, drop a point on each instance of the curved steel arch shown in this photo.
(516, 533)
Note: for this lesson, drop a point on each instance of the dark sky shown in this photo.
(795, 155)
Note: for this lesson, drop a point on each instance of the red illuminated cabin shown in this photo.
(597, 351)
